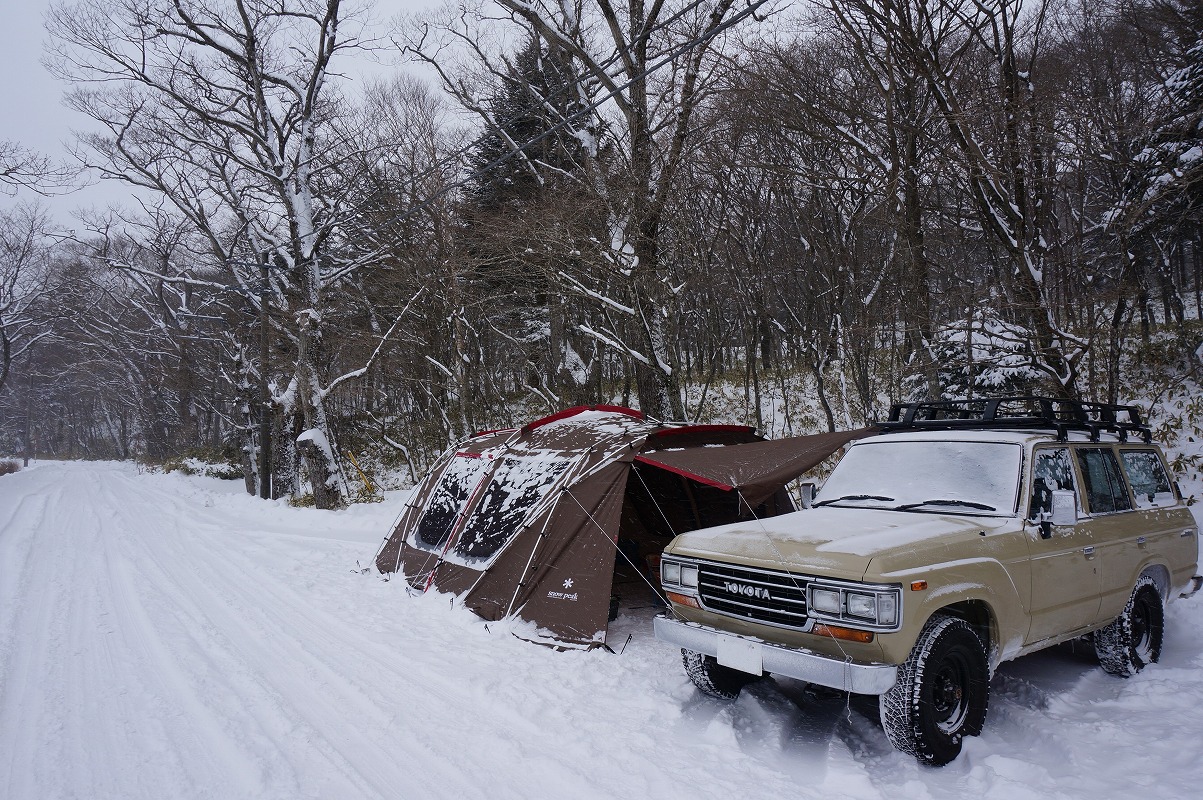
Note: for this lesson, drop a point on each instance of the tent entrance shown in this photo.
(658, 504)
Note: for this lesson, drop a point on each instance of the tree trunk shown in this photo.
(315, 445)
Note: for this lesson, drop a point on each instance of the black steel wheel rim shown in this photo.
(950, 689)
(1142, 626)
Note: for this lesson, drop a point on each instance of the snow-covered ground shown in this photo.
(164, 636)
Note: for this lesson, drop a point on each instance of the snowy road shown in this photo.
(169, 637)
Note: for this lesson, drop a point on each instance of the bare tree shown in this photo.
(23, 168)
(25, 246)
(1004, 154)
(225, 109)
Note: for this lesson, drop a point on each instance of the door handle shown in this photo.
(1142, 540)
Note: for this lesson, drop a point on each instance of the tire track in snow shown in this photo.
(36, 699)
(175, 734)
(263, 642)
(17, 534)
(94, 680)
(438, 728)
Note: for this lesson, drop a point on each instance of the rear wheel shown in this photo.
(1133, 639)
(712, 678)
(941, 694)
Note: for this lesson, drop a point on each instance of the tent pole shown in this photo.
(693, 502)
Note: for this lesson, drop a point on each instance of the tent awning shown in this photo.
(757, 469)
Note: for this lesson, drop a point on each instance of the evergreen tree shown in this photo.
(1165, 189)
(520, 155)
(1175, 156)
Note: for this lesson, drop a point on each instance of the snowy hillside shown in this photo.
(164, 636)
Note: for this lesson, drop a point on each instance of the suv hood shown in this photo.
(835, 542)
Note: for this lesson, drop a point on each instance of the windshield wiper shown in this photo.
(853, 497)
(966, 503)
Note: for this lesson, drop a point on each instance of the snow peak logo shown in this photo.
(759, 592)
(563, 595)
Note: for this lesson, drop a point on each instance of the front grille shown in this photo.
(773, 598)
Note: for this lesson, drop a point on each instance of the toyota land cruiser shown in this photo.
(967, 534)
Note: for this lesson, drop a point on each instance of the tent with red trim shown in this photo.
(530, 522)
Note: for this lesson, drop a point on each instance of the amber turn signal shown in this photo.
(836, 632)
(918, 586)
(683, 599)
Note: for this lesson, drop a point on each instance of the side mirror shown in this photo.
(1064, 512)
(1065, 507)
(808, 494)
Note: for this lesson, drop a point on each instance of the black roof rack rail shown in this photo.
(1019, 412)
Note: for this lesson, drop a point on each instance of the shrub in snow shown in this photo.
(190, 465)
(302, 501)
(9, 467)
(980, 355)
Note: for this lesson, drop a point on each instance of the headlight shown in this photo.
(865, 606)
(826, 601)
(670, 572)
(689, 575)
(862, 605)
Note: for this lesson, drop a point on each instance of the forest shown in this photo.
(788, 214)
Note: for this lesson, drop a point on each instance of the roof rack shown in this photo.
(1019, 412)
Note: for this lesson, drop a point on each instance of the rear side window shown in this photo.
(1104, 486)
(1146, 474)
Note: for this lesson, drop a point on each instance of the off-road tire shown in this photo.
(1133, 639)
(942, 692)
(712, 678)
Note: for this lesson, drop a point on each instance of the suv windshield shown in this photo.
(939, 477)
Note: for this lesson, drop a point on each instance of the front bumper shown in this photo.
(1193, 586)
(791, 662)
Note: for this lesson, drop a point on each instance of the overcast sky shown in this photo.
(31, 108)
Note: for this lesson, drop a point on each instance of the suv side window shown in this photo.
(1104, 485)
(1051, 469)
(1147, 476)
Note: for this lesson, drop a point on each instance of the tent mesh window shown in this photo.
(447, 501)
(519, 483)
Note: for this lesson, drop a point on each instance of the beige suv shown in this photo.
(969, 533)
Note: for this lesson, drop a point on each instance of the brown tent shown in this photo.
(528, 521)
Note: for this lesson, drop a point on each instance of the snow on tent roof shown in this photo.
(526, 522)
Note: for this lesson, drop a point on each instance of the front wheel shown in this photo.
(712, 678)
(1133, 639)
(941, 694)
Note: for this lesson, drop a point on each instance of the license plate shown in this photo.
(740, 654)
